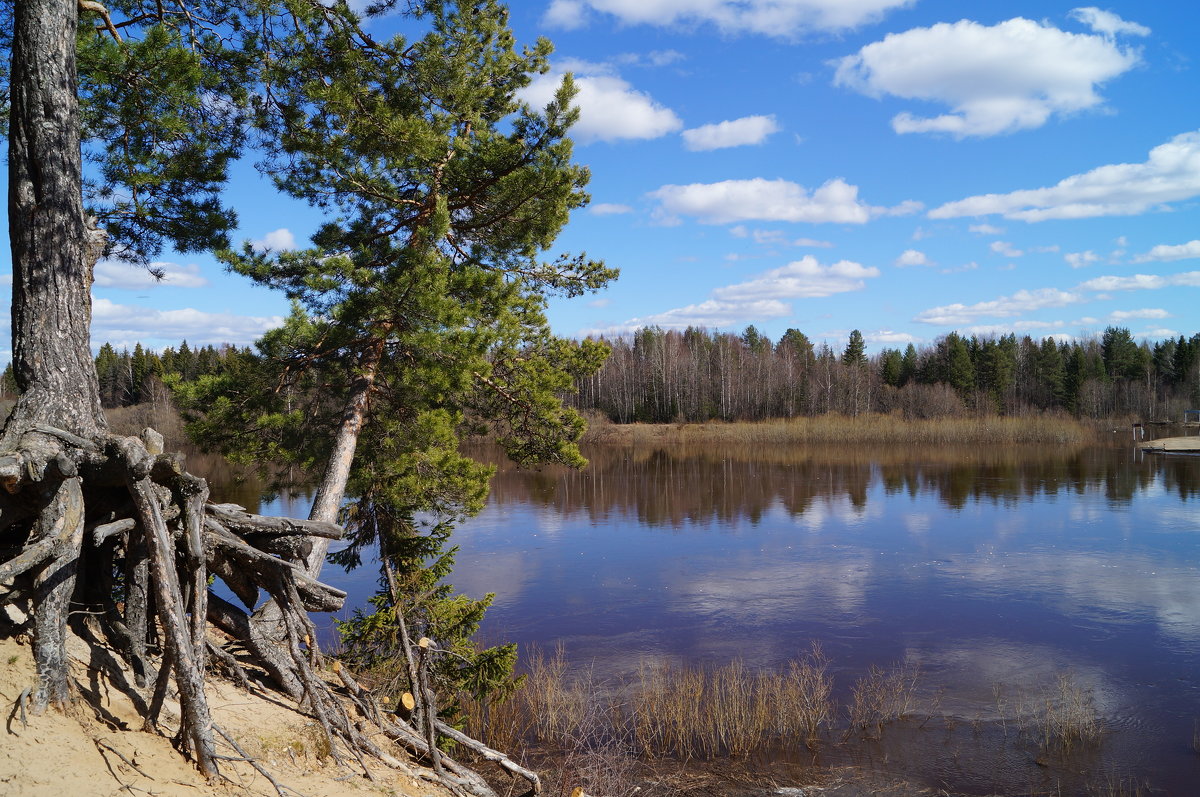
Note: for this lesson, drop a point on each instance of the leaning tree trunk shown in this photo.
(332, 489)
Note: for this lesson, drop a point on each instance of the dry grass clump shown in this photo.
(666, 710)
(882, 696)
(870, 428)
(689, 712)
(1069, 718)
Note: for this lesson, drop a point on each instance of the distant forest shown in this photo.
(137, 377)
(657, 376)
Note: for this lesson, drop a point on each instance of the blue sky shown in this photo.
(903, 167)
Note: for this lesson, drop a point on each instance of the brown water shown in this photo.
(995, 571)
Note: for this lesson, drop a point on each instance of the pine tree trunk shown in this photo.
(337, 471)
(53, 251)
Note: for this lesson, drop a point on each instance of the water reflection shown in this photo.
(668, 487)
(992, 568)
(989, 567)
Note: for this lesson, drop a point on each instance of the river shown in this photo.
(994, 571)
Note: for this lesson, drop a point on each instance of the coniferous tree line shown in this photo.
(697, 375)
(139, 376)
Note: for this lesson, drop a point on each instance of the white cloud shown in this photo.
(1023, 327)
(1011, 76)
(1167, 252)
(733, 133)
(971, 266)
(122, 322)
(1080, 259)
(776, 238)
(652, 58)
(609, 209)
(803, 278)
(1005, 248)
(887, 336)
(759, 199)
(1125, 315)
(781, 18)
(911, 257)
(712, 313)
(985, 229)
(610, 109)
(757, 299)
(112, 274)
(1143, 282)
(565, 14)
(1022, 301)
(1170, 173)
(1107, 23)
(280, 240)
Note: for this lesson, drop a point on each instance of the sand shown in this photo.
(97, 747)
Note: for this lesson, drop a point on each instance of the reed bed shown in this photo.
(866, 429)
(882, 696)
(618, 737)
(667, 711)
(1069, 718)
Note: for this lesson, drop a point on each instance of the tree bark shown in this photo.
(328, 502)
(53, 249)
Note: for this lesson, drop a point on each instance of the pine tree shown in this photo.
(419, 310)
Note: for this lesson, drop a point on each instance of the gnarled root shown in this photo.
(117, 528)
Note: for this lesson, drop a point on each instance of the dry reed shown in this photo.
(1069, 717)
(872, 428)
(882, 696)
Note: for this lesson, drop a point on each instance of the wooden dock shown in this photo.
(1173, 445)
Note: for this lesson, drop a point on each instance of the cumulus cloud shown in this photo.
(889, 337)
(610, 109)
(803, 278)
(1011, 76)
(759, 298)
(1143, 282)
(122, 322)
(1167, 252)
(609, 209)
(652, 58)
(1005, 248)
(111, 274)
(759, 199)
(566, 14)
(985, 229)
(712, 313)
(776, 238)
(1171, 173)
(911, 257)
(780, 18)
(733, 133)
(1107, 23)
(1126, 315)
(1080, 259)
(1022, 301)
(280, 240)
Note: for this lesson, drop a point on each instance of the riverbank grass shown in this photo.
(870, 428)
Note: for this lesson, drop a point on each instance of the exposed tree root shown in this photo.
(119, 529)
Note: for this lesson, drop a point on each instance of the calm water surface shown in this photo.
(994, 570)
